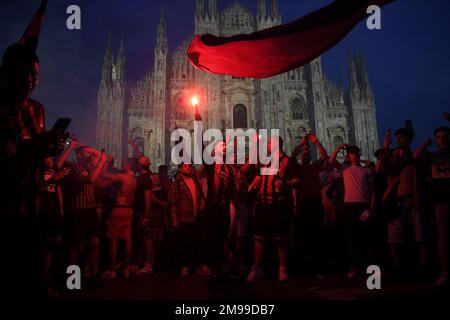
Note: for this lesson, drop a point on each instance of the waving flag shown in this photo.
(30, 38)
(282, 48)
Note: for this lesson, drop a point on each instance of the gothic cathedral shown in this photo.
(297, 102)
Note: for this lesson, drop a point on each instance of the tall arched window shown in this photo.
(298, 109)
(240, 116)
(337, 140)
(140, 144)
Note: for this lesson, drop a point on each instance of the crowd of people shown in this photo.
(336, 214)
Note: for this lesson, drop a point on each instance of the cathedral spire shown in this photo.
(359, 76)
(107, 61)
(121, 50)
(362, 64)
(364, 75)
(161, 43)
(274, 10)
(261, 9)
(161, 15)
(200, 10)
(121, 60)
(213, 9)
(352, 70)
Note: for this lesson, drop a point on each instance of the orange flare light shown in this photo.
(194, 101)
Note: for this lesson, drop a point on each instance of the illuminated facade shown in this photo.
(297, 102)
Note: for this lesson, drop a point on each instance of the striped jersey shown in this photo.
(78, 190)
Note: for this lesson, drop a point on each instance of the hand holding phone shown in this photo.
(61, 125)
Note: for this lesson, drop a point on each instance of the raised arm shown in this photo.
(114, 177)
(421, 150)
(94, 174)
(332, 160)
(136, 152)
(65, 154)
(298, 148)
(322, 151)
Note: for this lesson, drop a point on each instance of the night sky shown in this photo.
(408, 60)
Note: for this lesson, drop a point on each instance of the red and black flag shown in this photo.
(30, 37)
(282, 48)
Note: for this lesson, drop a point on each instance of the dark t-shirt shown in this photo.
(48, 196)
(309, 180)
(220, 184)
(144, 183)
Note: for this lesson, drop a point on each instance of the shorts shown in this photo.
(157, 218)
(408, 226)
(271, 220)
(147, 232)
(355, 230)
(242, 221)
(52, 227)
(118, 224)
(82, 225)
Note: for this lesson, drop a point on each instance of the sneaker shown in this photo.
(109, 275)
(125, 273)
(184, 272)
(443, 280)
(282, 274)
(147, 269)
(203, 270)
(134, 269)
(255, 274)
(352, 273)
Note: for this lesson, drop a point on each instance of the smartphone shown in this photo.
(61, 125)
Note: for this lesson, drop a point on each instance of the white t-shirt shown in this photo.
(357, 183)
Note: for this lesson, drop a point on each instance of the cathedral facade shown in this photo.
(297, 102)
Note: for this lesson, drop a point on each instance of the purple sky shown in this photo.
(407, 60)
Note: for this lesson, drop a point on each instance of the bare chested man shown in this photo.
(118, 224)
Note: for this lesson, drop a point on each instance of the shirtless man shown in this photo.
(118, 224)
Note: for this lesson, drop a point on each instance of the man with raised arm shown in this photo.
(119, 221)
(82, 221)
(309, 208)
